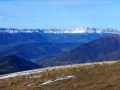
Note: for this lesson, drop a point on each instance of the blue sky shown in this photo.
(66, 14)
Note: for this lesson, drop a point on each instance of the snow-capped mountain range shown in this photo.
(62, 31)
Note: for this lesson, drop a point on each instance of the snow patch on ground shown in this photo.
(30, 84)
(46, 82)
(10, 75)
(36, 76)
(50, 81)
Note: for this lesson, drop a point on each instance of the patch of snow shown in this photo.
(46, 82)
(59, 79)
(10, 75)
(70, 76)
(67, 77)
(30, 84)
(50, 81)
(35, 76)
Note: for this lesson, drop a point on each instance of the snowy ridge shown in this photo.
(81, 30)
(49, 68)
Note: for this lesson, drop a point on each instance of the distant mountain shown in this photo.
(82, 30)
(73, 38)
(83, 34)
(62, 31)
(10, 64)
(38, 50)
(107, 48)
(20, 38)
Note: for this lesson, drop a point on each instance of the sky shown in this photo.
(65, 14)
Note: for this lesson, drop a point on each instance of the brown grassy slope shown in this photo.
(92, 77)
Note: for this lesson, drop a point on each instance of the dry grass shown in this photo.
(92, 77)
